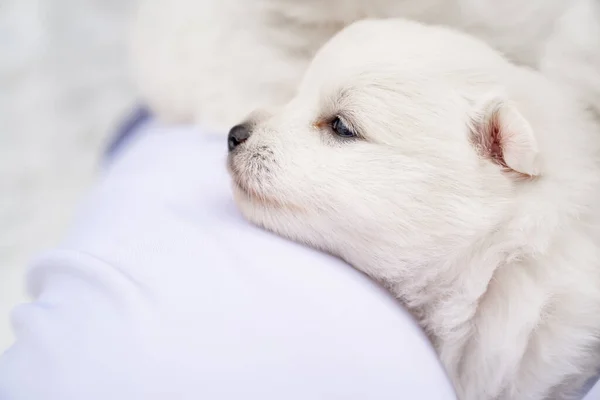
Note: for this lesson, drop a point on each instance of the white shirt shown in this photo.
(162, 291)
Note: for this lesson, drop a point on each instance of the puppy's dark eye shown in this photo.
(339, 128)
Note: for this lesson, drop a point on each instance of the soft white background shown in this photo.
(63, 88)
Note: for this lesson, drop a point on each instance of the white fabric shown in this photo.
(594, 394)
(162, 291)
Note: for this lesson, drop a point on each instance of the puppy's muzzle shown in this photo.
(238, 135)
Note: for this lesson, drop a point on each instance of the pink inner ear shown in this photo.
(487, 137)
(504, 137)
(495, 147)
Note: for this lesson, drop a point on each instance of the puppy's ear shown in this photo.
(501, 134)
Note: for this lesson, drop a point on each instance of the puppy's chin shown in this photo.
(256, 210)
(246, 200)
(257, 206)
(250, 194)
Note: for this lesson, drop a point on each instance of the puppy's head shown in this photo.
(399, 149)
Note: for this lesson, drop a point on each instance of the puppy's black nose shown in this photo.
(238, 135)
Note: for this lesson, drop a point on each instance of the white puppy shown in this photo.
(213, 61)
(467, 185)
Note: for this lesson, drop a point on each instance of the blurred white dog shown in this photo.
(213, 61)
(467, 185)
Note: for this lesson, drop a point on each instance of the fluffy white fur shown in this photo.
(471, 191)
(213, 61)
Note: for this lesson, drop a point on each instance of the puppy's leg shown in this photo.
(212, 62)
